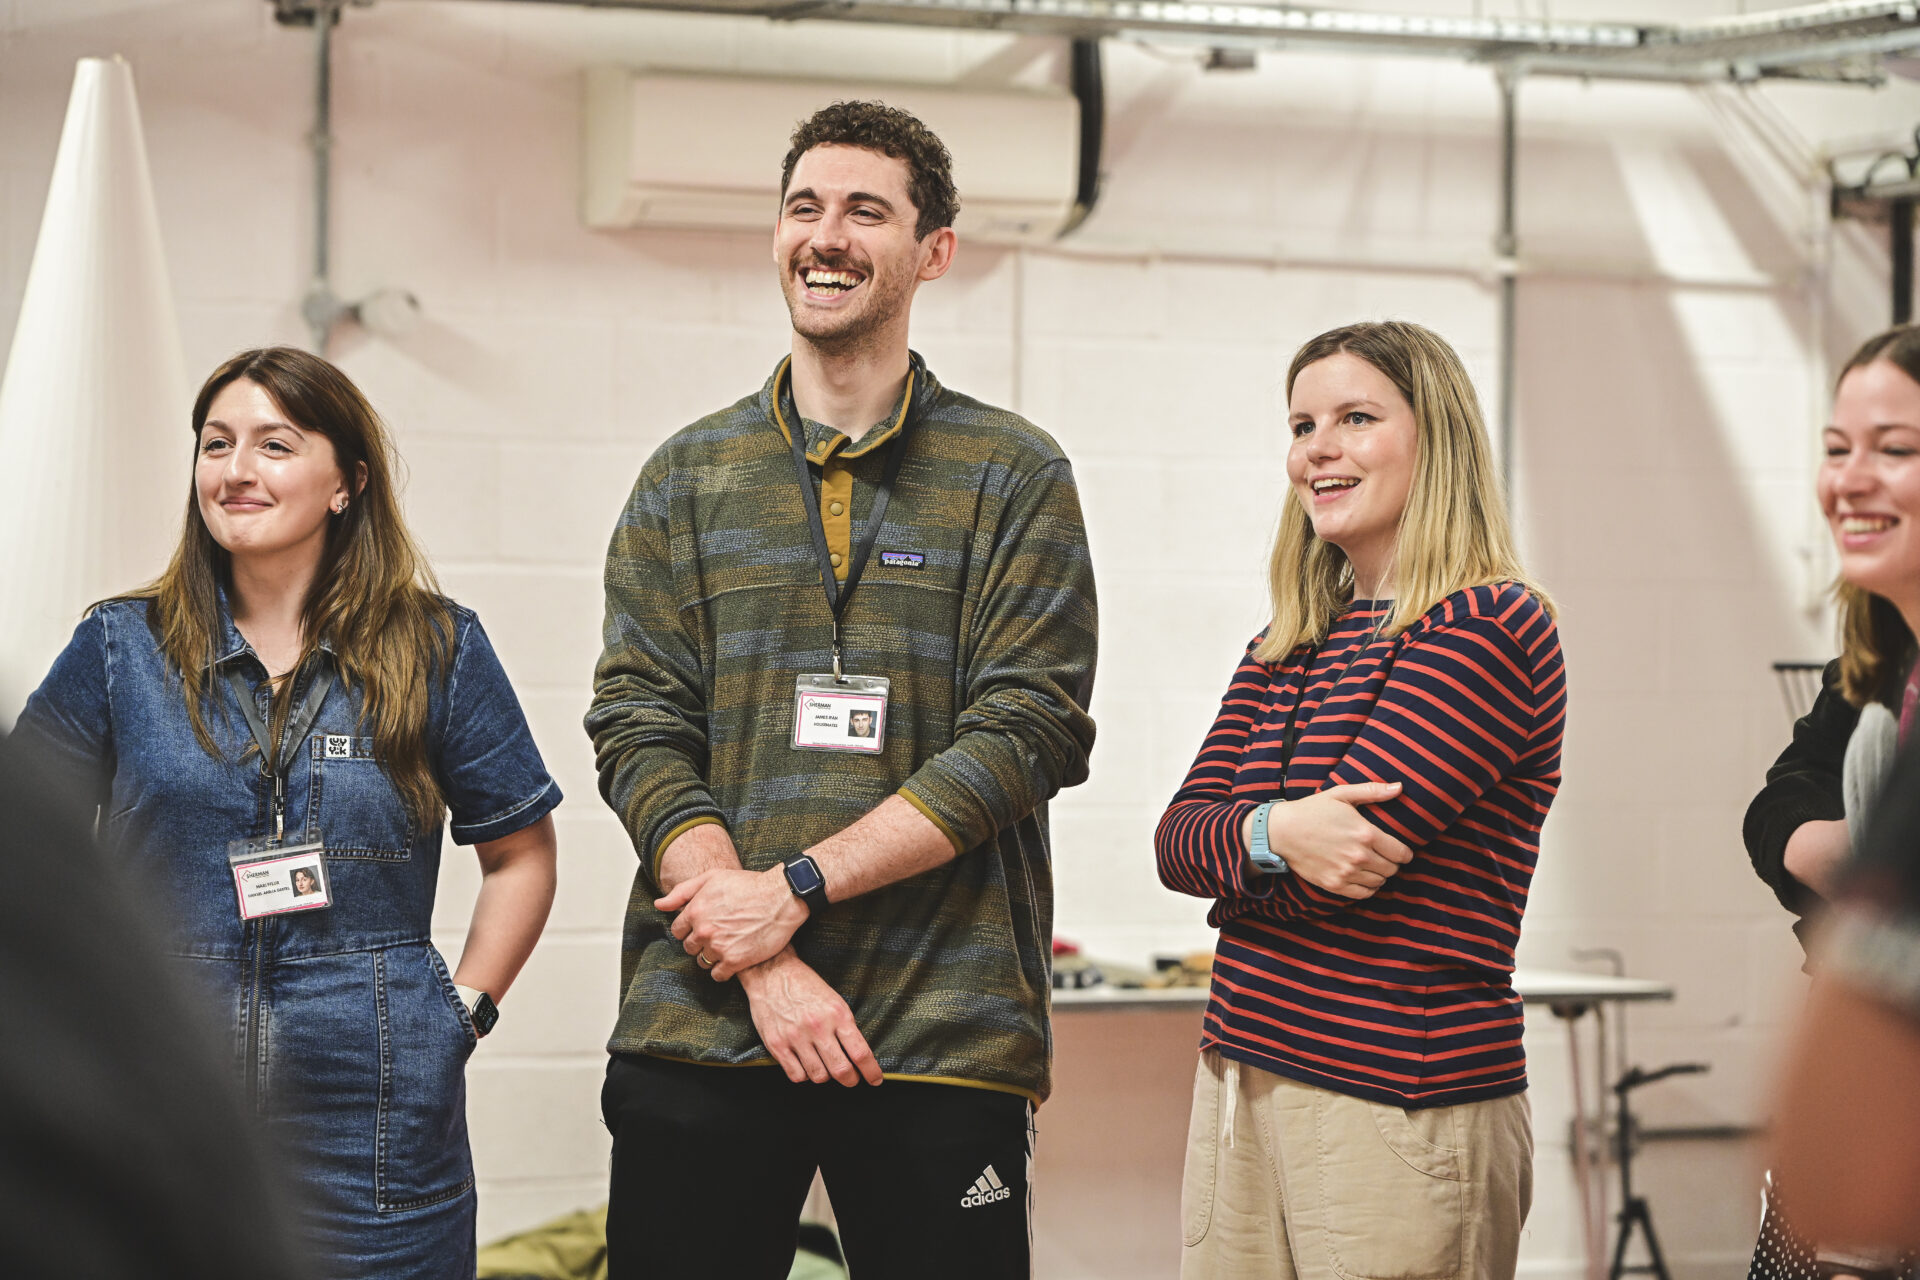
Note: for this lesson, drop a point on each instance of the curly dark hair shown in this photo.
(892, 132)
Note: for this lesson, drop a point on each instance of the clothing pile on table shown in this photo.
(1074, 970)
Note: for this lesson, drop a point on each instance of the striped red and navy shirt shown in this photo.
(1405, 997)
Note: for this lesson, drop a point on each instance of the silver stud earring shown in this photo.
(341, 509)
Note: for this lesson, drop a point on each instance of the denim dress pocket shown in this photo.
(421, 1156)
(357, 810)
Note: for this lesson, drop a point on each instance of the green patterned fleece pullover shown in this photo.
(984, 619)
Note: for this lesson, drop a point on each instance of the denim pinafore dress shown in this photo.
(343, 1026)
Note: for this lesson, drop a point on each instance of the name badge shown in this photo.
(849, 714)
(274, 879)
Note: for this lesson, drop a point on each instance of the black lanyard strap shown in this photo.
(275, 763)
(1290, 735)
(839, 596)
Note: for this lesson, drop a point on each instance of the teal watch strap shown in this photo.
(1258, 851)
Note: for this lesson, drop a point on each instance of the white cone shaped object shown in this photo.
(95, 448)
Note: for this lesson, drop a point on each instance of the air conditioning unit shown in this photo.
(704, 151)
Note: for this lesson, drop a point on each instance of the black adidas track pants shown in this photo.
(711, 1166)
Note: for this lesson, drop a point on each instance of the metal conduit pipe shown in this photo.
(321, 308)
(1506, 249)
(387, 312)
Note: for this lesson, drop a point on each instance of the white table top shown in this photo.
(1558, 986)
(1536, 986)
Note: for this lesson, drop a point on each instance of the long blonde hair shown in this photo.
(1875, 646)
(1453, 532)
(374, 599)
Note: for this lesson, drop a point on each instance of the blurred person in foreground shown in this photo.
(1846, 1138)
(124, 1153)
(1366, 814)
(292, 693)
(1822, 791)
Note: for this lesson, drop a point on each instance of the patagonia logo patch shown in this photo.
(903, 560)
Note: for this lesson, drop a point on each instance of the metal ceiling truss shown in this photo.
(1838, 41)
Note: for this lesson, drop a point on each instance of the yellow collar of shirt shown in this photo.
(876, 436)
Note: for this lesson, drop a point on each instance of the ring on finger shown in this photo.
(702, 961)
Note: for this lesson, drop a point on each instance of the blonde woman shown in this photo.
(274, 731)
(1365, 814)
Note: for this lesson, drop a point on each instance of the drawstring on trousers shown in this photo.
(1233, 1099)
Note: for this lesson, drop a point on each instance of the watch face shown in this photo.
(804, 876)
(485, 1014)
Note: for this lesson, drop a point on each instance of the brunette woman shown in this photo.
(293, 695)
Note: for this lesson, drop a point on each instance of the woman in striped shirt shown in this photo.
(1366, 813)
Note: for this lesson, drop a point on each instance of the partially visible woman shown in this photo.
(293, 695)
(1800, 828)
(1366, 813)
(1796, 830)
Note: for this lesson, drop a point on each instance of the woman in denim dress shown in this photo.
(297, 587)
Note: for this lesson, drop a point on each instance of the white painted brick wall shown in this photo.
(1665, 440)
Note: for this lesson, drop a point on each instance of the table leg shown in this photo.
(1590, 1189)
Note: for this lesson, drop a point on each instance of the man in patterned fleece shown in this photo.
(822, 898)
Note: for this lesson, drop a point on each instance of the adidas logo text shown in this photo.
(986, 1189)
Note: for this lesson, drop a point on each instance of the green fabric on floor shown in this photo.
(569, 1248)
(575, 1248)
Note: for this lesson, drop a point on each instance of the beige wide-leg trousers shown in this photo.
(1287, 1180)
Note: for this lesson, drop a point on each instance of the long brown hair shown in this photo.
(1453, 532)
(1876, 648)
(374, 600)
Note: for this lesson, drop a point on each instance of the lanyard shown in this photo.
(1290, 735)
(838, 596)
(273, 764)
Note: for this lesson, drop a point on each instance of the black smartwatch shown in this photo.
(804, 878)
(485, 1013)
(481, 1008)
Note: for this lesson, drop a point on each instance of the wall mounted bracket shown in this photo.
(1883, 186)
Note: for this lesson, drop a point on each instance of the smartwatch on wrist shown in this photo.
(1258, 851)
(481, 1008)
(804, 878)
